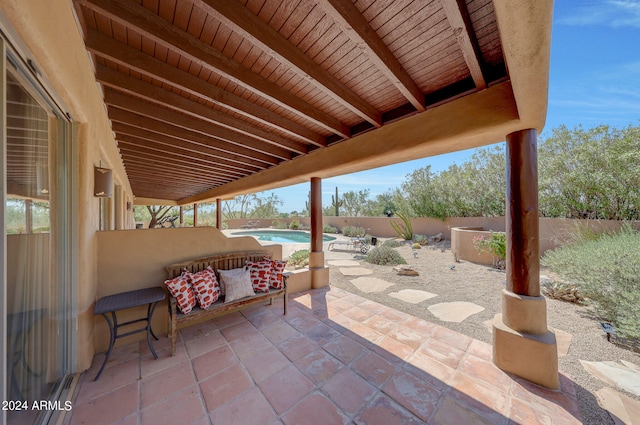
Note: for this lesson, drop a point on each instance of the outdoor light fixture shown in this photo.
(103, 182)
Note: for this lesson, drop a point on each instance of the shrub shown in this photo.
(294, 225)
(496, 245)
(330, 229)
(299, 258)
(416, 245)
(353, 231)
(392, 243)
(421, 239)
(384, 256)
(404, 231)
(607, 272)
(277, 224)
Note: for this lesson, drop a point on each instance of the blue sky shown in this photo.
(594, 79)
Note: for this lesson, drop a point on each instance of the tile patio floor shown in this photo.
(336, 358)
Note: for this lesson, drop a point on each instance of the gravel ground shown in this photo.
(482, 285)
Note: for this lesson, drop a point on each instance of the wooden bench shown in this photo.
(220, 262)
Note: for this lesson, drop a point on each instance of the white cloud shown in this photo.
(613, 13)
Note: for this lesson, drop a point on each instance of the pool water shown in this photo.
(287, 236)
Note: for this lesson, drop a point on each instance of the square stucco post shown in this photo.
(522, 343)
(319, 273)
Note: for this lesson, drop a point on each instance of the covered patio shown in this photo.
(202, 100)
(335, 358)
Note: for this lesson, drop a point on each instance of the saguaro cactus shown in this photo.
(336, 202)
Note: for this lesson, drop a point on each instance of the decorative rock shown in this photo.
(405, 270)
(436, 238)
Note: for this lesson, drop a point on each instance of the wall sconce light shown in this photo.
(128, 206)
(103, 182)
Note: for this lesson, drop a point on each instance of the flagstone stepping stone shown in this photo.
(621, 408)
(455, 311)
(622, 375)
(343, 263)
(355, 271)
(371, 284)
(563, 339)
(413, 296)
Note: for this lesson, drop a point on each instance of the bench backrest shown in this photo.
(219, 262)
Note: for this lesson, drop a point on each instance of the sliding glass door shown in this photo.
(36, 312)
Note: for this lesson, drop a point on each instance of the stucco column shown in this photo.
(522, 343)
(219, 213)
(319, 273)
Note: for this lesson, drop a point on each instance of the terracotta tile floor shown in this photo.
(335, 358)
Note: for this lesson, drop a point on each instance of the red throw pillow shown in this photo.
(260, 273)
(181, 290)
(276, 280)
(206, 287)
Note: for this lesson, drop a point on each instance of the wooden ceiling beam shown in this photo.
(115, 51)
(175, 176)
(356, 27)
(157, 155)
(151, 125)
(135, 87)
(149, 24)
(458, 17)
(238, 18)
(137, 161)
(169, 144)
(149, 110)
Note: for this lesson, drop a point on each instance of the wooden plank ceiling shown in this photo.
(204, 92)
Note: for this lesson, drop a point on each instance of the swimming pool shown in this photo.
(286, 236)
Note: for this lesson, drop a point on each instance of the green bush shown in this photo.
(392, 243)
(421, 239)
(277, 224)
(330, 229)
(294, 225)
(607, 272)
(496, 245)
(299, 258)
(384, 256)
(353, 231)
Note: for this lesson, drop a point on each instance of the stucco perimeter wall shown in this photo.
(553, 233)
(135, 259)
(379, 226)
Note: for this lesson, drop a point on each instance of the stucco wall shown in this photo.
(135, 259)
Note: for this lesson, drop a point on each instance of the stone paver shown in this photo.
(623, 409)
(413, 296)
(455, 311)
(344, 263)
(355, 271)
(614, 373)
(371, 284)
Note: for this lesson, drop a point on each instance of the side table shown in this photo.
(112, 303)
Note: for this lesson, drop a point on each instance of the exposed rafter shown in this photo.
(358, 29)
(459, 20)
(238, 18)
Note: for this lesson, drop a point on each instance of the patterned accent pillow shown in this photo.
(276, 278)
(260, 274)
(237, 283)
(205, 285)
(181, 290)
